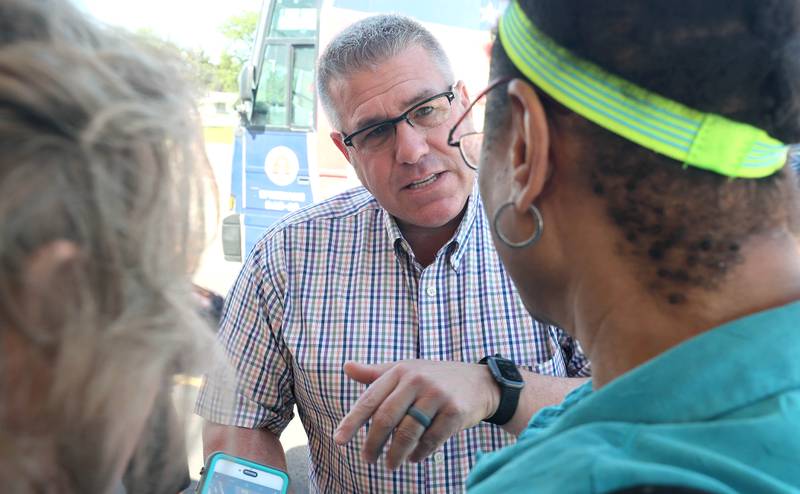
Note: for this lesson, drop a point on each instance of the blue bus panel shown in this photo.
(275, 181)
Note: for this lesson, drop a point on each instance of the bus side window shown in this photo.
(270, 105)
(303, 86)
(285, 94)
(294, 19)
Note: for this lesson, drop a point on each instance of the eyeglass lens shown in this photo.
(469, 134)
(470, 147)
(427, 115)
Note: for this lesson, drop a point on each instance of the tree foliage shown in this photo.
(240, 31)
(222, 75)
(197, 65)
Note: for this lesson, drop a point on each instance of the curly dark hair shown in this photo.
(736, 58)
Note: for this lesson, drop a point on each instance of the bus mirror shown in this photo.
(246, 92)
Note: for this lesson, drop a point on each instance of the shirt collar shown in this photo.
(393, 231)
(455, 248)
(712, 374)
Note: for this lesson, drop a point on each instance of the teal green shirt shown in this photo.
(720, 412)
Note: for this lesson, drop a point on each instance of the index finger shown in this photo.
(364, 407)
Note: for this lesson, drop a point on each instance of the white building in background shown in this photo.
(218, 109)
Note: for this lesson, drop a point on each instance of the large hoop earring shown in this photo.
(537, 234)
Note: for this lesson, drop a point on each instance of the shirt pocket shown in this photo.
(554, 364)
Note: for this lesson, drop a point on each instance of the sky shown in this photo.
(188, 23)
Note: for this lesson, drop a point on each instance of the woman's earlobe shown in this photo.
(521, 173)
(521, 178)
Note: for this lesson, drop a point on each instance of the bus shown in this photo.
(283, 157)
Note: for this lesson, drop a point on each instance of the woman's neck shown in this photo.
(621, 324)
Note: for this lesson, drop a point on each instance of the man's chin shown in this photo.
(437, 216)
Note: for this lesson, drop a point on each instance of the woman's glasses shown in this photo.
(467, 133)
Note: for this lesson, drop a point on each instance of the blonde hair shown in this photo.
(100, 146)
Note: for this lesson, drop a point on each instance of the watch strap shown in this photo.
(509, 399)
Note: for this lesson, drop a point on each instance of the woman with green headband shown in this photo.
(634, 167)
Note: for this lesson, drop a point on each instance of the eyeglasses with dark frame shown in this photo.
(469, 143)
(427, 114)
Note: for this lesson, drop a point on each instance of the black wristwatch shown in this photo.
(509, 379)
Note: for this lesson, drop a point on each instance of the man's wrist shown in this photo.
(509, 381)
(492, 392)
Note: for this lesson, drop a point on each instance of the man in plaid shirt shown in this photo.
(395, 285)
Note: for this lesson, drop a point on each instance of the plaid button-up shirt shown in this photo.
(337, 282)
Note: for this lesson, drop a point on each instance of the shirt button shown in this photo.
(431, 291)
(438, 457)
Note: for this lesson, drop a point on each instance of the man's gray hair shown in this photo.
(368, 43)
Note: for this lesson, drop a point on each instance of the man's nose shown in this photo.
(411, 142)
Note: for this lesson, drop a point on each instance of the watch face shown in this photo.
(508, 370)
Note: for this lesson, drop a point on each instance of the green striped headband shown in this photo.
(702, 140)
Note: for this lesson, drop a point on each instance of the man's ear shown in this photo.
(530, 144)
(337, 139)
(462, 95)
(461, 90)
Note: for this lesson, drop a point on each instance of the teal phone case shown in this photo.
(218, 455)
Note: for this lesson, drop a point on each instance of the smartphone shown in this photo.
(226, 474)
